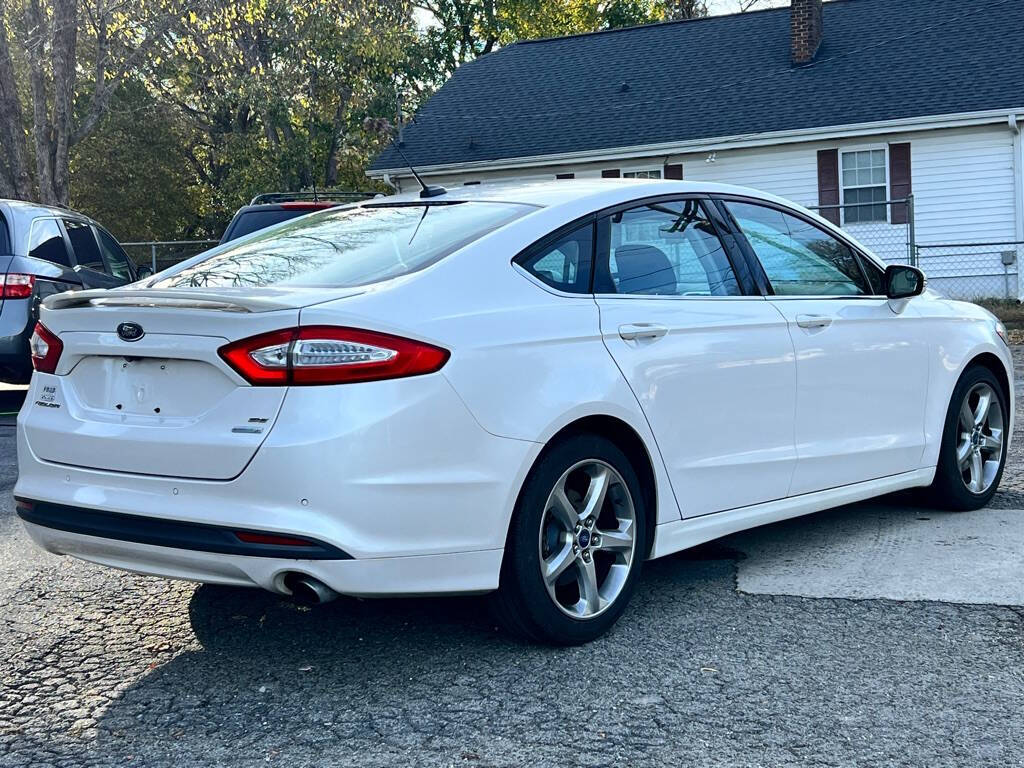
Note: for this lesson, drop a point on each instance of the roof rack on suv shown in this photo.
(336, 195)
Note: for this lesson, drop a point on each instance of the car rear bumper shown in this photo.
(453, 573)
(407, 486)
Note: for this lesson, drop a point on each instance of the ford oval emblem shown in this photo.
(130, 331)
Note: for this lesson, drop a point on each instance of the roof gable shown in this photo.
(722, 76)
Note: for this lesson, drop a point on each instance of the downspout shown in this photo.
(1018, 201)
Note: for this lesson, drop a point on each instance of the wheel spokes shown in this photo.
(590, 594)
(557, 564)
(616, 541)
(963, 453)
(977, 472)
(562, 509)
(593, 502)
(982, 408)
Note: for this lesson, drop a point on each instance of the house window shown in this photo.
(865, 181)
(654, 173)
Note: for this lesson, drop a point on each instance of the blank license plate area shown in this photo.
(156, 387)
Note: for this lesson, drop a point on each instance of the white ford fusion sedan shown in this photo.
(525, 389)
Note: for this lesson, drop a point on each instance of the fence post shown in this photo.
(911, 231)
(152, 253)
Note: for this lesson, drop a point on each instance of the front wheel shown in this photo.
(575, 545)
(973, 450)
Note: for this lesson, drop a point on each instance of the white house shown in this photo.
(852, 106)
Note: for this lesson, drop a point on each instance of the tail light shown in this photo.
(322, 354)
(17, 286)
(46, 349)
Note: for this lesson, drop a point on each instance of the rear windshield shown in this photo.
(348, 246)
(250, 221)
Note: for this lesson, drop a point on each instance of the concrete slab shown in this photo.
(881, 550)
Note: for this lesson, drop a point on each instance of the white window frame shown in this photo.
(842, 187)
(644, 169)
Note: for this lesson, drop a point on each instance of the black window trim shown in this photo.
(755, 262)
(730, 243)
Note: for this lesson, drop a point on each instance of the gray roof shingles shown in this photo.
(722, 76)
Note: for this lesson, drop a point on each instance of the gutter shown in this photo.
(719, 144)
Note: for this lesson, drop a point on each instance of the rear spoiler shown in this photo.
(122, 297)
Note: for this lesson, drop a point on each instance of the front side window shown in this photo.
(565, 264)
(83, 243)
(46, 242)
(799, 258)
(665, 249)
(343, 247)
(865, 187)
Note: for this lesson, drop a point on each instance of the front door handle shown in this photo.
(637, 331)
(813, 321)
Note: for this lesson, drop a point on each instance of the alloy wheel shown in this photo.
(587, 539)
(981, 437)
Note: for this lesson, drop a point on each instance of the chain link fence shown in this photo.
(161, 254)
(960, 270)
(972, 271)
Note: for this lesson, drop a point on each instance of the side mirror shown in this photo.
(903, 282)
(144, 271)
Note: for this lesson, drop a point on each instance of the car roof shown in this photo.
(21, 210)
(556, 192)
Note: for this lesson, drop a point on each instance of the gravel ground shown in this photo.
(102, 668)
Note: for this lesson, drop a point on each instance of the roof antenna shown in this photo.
(426, 190)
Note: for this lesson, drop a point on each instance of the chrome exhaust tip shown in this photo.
(308, 591)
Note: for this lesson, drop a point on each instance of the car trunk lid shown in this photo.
(162, 404)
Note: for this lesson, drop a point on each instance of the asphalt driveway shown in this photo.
(877, 634)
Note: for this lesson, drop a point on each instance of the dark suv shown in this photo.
(44, 251)
(275, 207)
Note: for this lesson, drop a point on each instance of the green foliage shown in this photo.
(132, 173)
(236, 98)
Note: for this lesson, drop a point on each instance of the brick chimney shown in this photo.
(806, 30)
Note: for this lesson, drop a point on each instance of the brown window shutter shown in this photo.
(899, 180)
(828, 184)
(565, 175)
(673, 171)
(610, 174)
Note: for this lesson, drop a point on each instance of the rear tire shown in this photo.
(575, 545)
(973, 451)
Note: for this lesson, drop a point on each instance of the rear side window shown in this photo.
(665, 249)
(348, 246)
(83, 242)
(564, 264)
(116, 258)
(46, 242)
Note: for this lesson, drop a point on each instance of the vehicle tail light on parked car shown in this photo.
(17, 286)
(329, 355)
(46, 349)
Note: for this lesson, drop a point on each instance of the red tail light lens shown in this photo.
(322, 354)
(46, 349)
(17, 286)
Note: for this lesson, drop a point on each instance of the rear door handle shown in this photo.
(813, 321)
(637, 331)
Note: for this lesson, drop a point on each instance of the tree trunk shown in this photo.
(65, 39)
(42, 134)
(13, 160)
